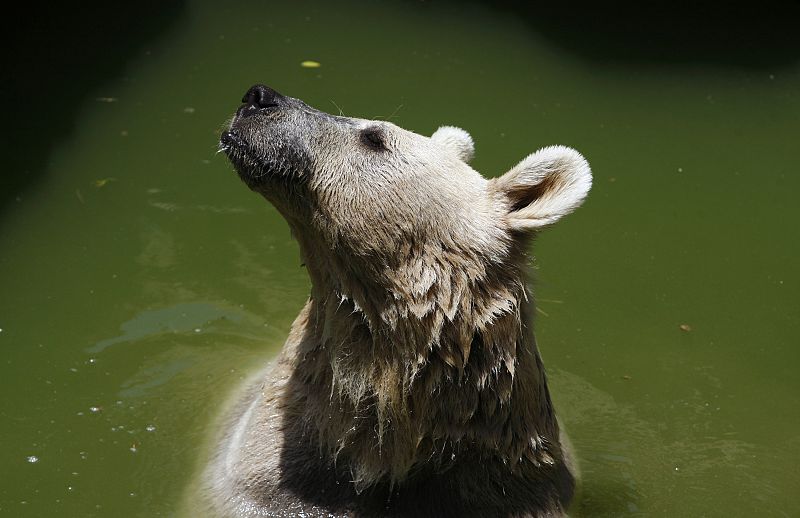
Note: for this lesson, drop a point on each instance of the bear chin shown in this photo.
(253, 169)
(280, 163)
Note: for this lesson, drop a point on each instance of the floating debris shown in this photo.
(103, 181)
(95, 409)
(33, 459)
(106, 99)
(134, 447)
(188, 109)
(685, 328)
(169, 207)
(625, 377)
(310, 64)
(150, 428)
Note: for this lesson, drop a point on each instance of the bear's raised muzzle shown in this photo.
(261, 141)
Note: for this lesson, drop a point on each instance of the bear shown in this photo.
(410, 384)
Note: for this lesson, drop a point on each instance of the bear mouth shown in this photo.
(252, 168)
(231, 143)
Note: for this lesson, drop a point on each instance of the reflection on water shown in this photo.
(669, 301)
(180, 318)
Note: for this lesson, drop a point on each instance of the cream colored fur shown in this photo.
(415, 348)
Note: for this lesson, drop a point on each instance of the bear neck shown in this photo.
(403, 367)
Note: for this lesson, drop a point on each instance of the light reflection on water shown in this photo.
(180, 318)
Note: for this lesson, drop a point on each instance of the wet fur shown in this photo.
(410, 383)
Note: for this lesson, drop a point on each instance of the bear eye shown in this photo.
(373, 138)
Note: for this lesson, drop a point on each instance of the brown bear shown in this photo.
(410, 383)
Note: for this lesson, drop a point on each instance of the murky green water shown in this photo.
(140, 280)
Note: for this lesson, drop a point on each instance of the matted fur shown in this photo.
(413, 368)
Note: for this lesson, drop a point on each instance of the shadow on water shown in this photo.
(599, 497)
(54, 57)
(646, 34)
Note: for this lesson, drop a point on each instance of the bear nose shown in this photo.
(261, 96)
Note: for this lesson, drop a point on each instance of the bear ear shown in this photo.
(545, 186)
(456, 140)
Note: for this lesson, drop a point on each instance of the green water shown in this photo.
(141, 280)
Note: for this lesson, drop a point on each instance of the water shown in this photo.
(141, 280)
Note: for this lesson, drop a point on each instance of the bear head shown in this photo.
(373, 193)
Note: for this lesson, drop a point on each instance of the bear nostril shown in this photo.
(261, 96)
